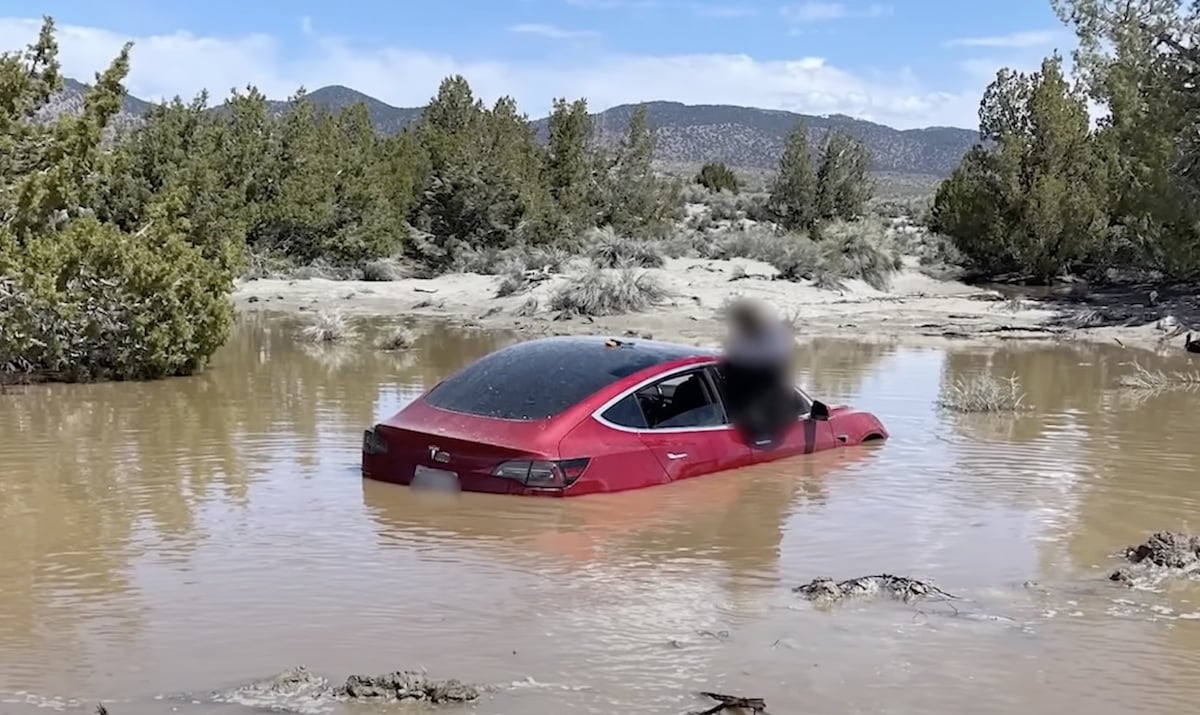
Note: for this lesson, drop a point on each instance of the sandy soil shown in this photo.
(915, 308)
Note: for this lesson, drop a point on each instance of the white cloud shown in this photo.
(183, 63)
(824, 11)
(553, 32)
(1015, 40)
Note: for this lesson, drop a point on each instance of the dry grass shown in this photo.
(600, 291)
(397, 340)
(861, 250)
(384, 269)
(982, 394)
(1155, 381)
(610, 250)
(327, 327)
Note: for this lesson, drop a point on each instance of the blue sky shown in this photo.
(907, 63)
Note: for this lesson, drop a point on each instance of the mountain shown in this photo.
(743, 137)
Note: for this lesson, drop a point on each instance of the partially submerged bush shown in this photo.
(327, 327)
(982, 393)
(94, 303)
(1153, 381)
(398, 339)
(609, 250)
(600, 291)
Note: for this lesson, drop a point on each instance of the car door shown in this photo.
(805, 436)
(687, 429)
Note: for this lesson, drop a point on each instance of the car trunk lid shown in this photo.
(425, 446)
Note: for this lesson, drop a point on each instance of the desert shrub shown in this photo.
(398, 339)
(794, 255)
(327, 327)
(91, 302)
(383, 269)
(982, 393)
(861, 250)
(609, 250)
(716, 176)
(602, 291)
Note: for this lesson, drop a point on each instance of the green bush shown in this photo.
(716, 176)
(93, 303)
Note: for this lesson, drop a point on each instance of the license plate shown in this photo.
(435, 479)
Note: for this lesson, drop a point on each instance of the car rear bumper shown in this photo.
(382, 465)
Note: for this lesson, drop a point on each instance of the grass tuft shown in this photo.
(610, 250)
(397, 340)
(983, 393)
(600, 291)
(327, 327)
(1146, 380)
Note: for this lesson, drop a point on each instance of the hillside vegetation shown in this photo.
(119, 244)
(1052, 196)
(742, 137)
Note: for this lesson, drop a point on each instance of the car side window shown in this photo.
(626, 413)
(685, 400)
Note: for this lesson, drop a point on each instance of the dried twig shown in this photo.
(733, 702)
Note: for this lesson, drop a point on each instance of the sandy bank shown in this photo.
(915, 307)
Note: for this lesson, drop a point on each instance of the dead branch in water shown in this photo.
(733, 702)
(900, 587)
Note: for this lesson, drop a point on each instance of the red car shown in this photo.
(567, 416)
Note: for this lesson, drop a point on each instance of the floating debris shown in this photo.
(733, 702)
(1165, 553)
(901, 587)
(406, 685)
(300, 691)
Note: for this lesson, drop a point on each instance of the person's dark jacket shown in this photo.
(759, 392)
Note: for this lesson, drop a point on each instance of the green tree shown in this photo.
(571, 163)
(793, 197)
(82, 297)
(635, 201)
(843, 185)
(1035, 202)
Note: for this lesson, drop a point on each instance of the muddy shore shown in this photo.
(916, 307)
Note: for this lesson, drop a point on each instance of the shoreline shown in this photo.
(915, 308)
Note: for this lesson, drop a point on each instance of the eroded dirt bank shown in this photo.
(915, 306)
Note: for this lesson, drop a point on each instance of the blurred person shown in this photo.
(757, 365)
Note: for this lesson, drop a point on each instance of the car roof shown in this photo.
(539, 378)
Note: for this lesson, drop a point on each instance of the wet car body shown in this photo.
(569, 416)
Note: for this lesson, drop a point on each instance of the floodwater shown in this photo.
(183, 536)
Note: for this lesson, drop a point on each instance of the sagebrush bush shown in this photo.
(860, 250)
(602, 291)
(609, 250)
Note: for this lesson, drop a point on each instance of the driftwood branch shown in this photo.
(733, 702)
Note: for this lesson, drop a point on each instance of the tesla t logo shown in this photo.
(438, 455)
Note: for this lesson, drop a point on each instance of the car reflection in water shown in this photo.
(736, 518)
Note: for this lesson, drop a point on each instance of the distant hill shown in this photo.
(744, 137)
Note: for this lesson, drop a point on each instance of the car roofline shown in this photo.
(662, 372)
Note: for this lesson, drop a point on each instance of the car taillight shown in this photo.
(373, 442)
(542, 473)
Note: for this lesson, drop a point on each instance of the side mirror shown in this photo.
(819, 411)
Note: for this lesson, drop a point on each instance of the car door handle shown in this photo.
(676, 455)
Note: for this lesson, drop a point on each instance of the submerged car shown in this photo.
(568, 416)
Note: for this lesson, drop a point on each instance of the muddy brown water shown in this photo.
(184, 536)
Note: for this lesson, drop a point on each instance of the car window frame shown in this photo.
(708, 369)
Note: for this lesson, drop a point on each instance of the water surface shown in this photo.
(187, 535)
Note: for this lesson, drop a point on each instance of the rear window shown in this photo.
(538, 379)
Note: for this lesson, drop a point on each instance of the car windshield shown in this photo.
(537, 379)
